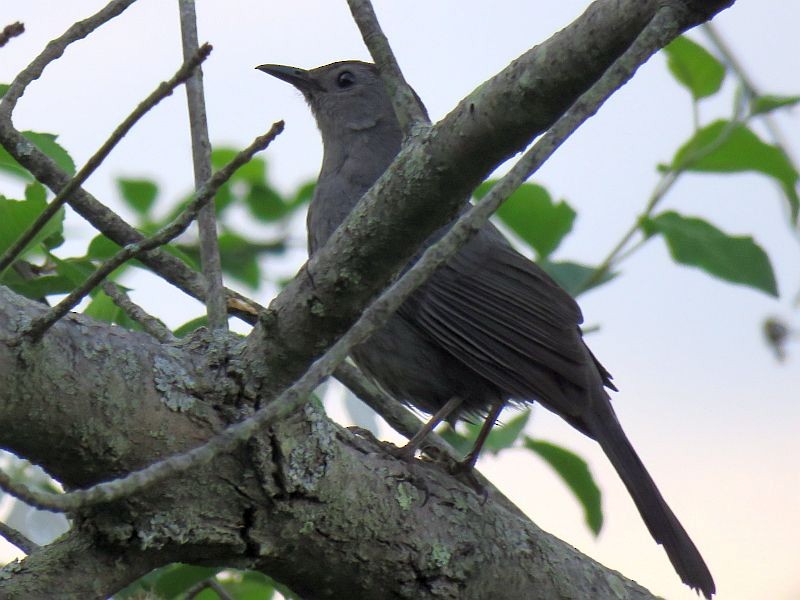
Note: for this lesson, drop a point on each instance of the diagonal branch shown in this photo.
(38, 326)
(149, 323)
(664, 26)
(54, 50)
(201, 156)
(74, 562)
(17, 538)
(11, 31)
(103, 219)
(407, 105)
(164, 89)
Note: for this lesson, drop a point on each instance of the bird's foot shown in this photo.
(405, 453)
(464, 471)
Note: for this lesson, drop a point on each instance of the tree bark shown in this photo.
(328, 513)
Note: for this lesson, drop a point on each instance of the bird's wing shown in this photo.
(503, 317)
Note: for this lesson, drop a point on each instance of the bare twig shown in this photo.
(201, 156)
(621, 250)
(39, 325)
(11, 31)
(664, 26)
(407, 105)
(54, 50)
(104, 220)
(18, 538)
(164, 89)
(149, 323)
(396, 415)
(750, 88)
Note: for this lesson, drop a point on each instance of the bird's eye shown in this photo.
(345, 79)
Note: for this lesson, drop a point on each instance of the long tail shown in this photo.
(664, 526)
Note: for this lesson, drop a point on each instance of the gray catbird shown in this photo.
(490, 326)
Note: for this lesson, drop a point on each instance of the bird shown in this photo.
(489, 327)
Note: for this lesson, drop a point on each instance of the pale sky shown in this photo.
(712, 414)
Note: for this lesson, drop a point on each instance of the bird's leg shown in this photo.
(469, 461)
(445, 411)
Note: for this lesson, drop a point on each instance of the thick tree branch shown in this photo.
(74, 566)
(278, 504)
(275, 505)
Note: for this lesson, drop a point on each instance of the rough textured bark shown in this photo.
(328, 513)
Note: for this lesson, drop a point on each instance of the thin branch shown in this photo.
(750, 88)
(201, 157)
(54, 50)
(11, 31)
(18, 538)
(662, 28)
(164, 89)
(407, 105)
(621, 250)
(396, 415)
(40, 324)
(104, 220)
(149, 323)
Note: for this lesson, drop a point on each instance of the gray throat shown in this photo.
(354, 157)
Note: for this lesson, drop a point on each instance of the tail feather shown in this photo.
(602, 425)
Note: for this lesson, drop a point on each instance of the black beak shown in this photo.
(299, 78)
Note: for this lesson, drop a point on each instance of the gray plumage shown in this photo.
(489, 326)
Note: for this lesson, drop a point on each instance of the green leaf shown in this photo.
(102, 248)
(768, 103)
(726, 147)
(16, 216)
(503, 436)
(694, 67)
(191, 326)
(75, 270)
(191, 259)
(46, 142)
(3, 89)
(168, 582)
(254, 171)
(250, 585)
(223, 198)
(574, 471)
(39, 287)
(531, 213)
(303, 194)
(697, 243)
(139, 194)
(240, 258)
(265, 203)
(461, 443)
(574, 277)
(102, 308)
(36, 194)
